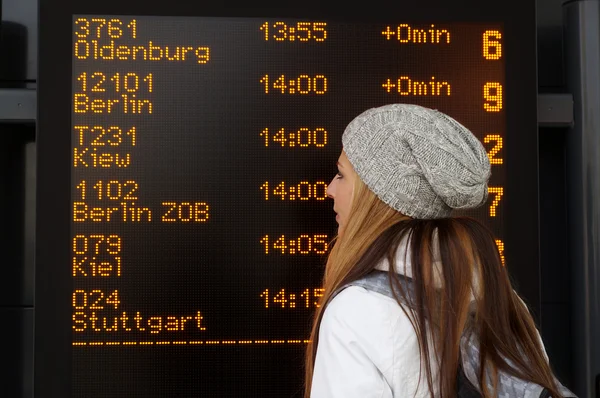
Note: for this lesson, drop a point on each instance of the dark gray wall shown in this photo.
(550, 46)
(18, 44)
(18, 69)
(555, 267)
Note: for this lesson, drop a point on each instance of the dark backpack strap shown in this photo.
(464, 387)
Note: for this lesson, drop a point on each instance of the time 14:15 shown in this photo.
(307, 299)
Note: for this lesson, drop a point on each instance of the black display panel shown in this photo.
(183, 221)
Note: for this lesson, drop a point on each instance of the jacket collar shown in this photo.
(404, 266)
(403, 260)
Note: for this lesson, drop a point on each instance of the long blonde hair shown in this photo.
(467, 251)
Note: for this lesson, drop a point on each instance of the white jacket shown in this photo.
(367, 347)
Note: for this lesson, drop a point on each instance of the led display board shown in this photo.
(184, 153)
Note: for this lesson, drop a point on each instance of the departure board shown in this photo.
(198, 149)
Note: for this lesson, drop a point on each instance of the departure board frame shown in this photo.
(54, 286)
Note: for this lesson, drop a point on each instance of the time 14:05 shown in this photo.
(304, 244)
(307, 299)
(303, 84)
(300, 31)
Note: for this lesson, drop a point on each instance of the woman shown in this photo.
(402, 171)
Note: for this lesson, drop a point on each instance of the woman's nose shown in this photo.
(330, 189)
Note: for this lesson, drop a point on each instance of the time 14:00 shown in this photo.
(303, 84)
(301, 138)
(304, 190)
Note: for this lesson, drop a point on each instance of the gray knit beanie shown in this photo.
(419, 161)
